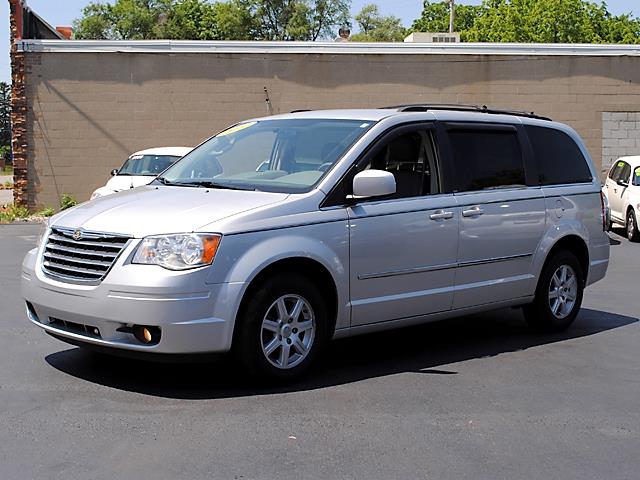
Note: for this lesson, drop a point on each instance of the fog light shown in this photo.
(146, 334)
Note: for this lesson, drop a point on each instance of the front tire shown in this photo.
(282, 328)
(558, 294)
(632, 227)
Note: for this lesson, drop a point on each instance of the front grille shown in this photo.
(86, 258)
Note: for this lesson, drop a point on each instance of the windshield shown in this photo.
(146, 165)
(288, 156)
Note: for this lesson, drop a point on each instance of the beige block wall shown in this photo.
(89, 111)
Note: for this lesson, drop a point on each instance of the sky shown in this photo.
(63, 12)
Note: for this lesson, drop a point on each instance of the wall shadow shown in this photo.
(422, 350)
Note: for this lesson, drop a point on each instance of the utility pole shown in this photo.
(452, 15)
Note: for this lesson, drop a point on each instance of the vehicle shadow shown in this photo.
(422, 349)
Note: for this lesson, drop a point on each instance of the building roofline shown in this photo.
(332, 48)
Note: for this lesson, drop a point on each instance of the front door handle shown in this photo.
(472, 212)
(441, 215)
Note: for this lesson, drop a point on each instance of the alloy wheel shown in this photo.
(563, 291)
(288, 331)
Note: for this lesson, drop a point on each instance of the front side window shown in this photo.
(624, 173)
(636, 177)
(288, 156)
(614, 173)
(146, 165)
(411, 158)
(486, 159)
(558, 157)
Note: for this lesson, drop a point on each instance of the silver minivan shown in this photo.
(281, 233)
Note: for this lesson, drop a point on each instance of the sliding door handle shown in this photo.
(441, 215)
(472, 212)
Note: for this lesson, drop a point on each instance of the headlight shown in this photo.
(95, 194)
(43, 231)
(179, 251)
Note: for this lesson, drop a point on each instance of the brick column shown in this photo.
(18, 110)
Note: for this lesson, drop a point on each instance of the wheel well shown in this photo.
(312, 269)
(578, 247)
(629, 209)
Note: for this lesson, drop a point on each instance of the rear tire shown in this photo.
(632, 227)
(282, 328)
(558, 294)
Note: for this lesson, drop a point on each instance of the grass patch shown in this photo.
(45, 212)
(7, 170)
(12, 212)
(67, 201)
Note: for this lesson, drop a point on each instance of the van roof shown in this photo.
(438, 111)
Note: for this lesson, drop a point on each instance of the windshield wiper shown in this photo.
(203, 184)
(208, 184)
(164, 181)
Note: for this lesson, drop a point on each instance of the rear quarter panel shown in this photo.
(575, 210)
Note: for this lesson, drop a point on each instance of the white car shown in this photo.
(622, 189)
(140, 169)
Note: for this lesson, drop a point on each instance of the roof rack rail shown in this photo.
(300, 110)
(423, 107)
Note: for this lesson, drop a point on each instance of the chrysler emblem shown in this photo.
(77, 235)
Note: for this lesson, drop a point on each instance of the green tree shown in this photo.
(206, 20)
(435, 17)
(190, 20)
(375, 27)
(297, 19)
(235, 21)
(536, 21)
(125, 19)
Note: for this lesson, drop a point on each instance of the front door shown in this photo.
(615, 191)
(403, 249)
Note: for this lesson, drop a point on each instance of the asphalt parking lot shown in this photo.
(479, 397)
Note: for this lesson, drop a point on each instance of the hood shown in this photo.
(123, 182)
(151, 210)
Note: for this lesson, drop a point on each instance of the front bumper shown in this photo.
(193, 316)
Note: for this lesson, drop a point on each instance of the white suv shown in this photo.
(281, 233)
(622, 189)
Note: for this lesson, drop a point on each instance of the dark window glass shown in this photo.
(485, 159)
(558, 157)
(636, 176)
(615, 171)
(624, 174)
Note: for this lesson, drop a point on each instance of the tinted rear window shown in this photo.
(485, 159)
(558, 157)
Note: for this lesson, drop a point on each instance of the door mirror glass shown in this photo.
(373, 183)
(114, 172)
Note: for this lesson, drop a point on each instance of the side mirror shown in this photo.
(114, 172)
(373, 183)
